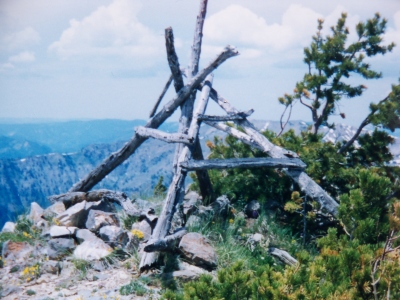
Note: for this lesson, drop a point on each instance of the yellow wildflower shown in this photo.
(139, 234)
(230, 221)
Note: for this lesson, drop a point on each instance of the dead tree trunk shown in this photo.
(116, 158)
(175, 191)
(307, 185)
(205, 185)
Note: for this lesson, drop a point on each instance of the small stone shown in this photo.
(92, 250)
(97, 219)
(51, 267)
(62, 231)
(54, 210)
(144, 227)
(77, 214)
(8, 227)
(85, 235)
(114, 236)
(196, 249)
(16, 252)
(60, 247)
(36, 213)
(252, 209)
(221, 206)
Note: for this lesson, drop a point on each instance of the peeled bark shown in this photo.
(163, 136)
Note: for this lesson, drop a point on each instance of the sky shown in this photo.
(105, 59)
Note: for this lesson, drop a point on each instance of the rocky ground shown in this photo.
(89, 248)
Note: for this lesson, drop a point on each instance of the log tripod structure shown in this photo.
(188, 154)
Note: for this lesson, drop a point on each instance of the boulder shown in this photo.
(54, 210)
(36, 213)
(62, 231)
(85, 235)
(8, 227)
(16, 252)
(252, 209)
(77, 214)
(92, 250)
(114, 236)
(221, 206)
(193, 221)
(144, 227)
(97, 219)
(58, 248)
(197, 250)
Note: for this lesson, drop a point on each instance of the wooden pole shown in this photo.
(116, 158)
(309, 186)
(175, 190)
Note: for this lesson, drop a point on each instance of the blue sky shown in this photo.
(95, 59)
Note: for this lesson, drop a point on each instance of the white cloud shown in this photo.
(6, 66)
(238, 24)
(23, 57)
(109, 30)
(393, 34)
(20, 39)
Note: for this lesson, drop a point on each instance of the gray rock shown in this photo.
(62, 231)
(54, 210)
(92, 250)
(197, 250)
(221, 206)
(50, 267)
(43, 225)
(58, 248)
(144, 227)
(36, 212)
(77, 214)
(16, 252)
(97, 219)
(8, 227)
(11, 289)
(114, 236)
(192, 201)
(85, 235)
(252, 209)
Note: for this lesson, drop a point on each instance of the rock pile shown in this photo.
(92, 230)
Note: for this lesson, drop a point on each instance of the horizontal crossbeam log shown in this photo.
(255, 162)
(165, 244)
(163, 136)
(229, 117)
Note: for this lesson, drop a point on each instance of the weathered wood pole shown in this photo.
(116, 158)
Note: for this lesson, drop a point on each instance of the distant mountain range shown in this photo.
(42, 159)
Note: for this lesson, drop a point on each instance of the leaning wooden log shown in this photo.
(283, 256)
(166, 244)
(163, 136)
(73, 198)
(254, 162)
(205, 185)
(174, 195)
(307, 185)
(116, 158)
(236, 133)
(227, 118)
(164, 91)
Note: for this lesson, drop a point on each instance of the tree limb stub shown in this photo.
(307, 185)
(116, 158)
(163, 136)
(164, 91)
(283, 256)
(286, 162)
(165, 244)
